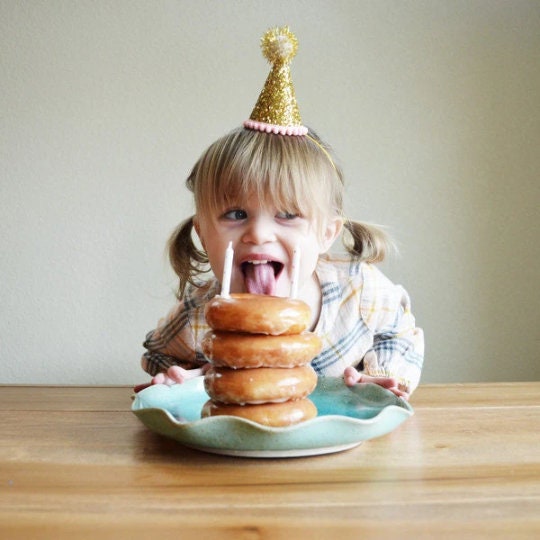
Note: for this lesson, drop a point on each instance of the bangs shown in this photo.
(290, 173)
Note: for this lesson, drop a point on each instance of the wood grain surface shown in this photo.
(76, 463)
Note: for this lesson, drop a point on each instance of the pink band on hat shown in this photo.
(272, 128)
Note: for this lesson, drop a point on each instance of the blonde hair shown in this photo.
(295, 173)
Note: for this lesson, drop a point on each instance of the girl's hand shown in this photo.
(177, 375)
(352, 377)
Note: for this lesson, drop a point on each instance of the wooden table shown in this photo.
(76, 463)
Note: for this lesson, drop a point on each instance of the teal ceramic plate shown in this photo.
(347, 416)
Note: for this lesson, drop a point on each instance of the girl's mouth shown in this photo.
(260, 276)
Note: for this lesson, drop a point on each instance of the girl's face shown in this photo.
(264, 239)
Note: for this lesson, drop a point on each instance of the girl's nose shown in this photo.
(258, 231)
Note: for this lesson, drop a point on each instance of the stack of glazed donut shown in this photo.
(260, 355)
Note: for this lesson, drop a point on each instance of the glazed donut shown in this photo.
(257, 314)
(268, 414)
(263, 385)
(227, 349)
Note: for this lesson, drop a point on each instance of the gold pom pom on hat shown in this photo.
(276, 110)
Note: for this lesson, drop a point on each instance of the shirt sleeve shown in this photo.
(176, 339)
(398, 345)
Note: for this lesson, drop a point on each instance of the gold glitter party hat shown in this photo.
(276, 110)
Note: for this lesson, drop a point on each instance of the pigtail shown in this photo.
(369, 243)
(186, 259)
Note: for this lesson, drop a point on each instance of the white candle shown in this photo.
(227, 271)
(295, 271)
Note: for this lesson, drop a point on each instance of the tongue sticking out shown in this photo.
(260, 278)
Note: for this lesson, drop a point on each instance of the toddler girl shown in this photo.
(271, 187)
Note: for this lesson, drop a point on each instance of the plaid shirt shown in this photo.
(365, 322)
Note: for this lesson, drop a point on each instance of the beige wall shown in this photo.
(432, 106)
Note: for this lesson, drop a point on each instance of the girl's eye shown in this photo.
(286, 215)
(235, 215)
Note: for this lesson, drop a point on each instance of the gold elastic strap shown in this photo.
(323, 149)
